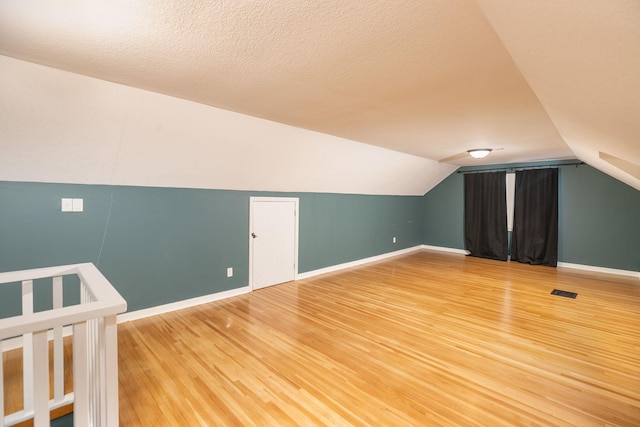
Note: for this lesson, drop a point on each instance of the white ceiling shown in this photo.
(535, 79)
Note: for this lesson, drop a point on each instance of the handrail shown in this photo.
(98, 284)
(49, 319)
(38, 273)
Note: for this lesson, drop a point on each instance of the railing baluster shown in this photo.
(101, 374)
(93, 383)
(41, 379)
(111, 366)
(91, 361)
(99, 378)
(1, 384)
(58, 345)
(27, 347)
(80, 377)
(98, 347)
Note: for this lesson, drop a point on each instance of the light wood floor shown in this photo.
(419, 340)
(13, 381)
(422, 339)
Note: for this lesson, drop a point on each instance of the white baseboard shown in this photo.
(582, 267)
(167, 308)
(443, 249)
(595, 269)
(356, 263)
(179, 305)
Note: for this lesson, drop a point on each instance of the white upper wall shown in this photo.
(426, 78)
(533, 80)
(57, 126)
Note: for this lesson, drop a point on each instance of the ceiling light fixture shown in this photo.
(479, 153)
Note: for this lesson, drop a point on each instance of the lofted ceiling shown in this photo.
(532, 80)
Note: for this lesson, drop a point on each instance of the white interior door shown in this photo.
(273, 241)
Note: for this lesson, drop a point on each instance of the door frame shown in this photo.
(296, 202)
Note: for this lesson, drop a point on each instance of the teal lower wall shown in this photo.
(443, 220)
(162, 245)
(599, 220)
(66, 421)
(339, 228)
(598, 223)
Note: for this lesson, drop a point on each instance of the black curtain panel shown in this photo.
(535, 217)
(485, 215)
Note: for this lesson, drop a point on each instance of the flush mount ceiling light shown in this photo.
(479, 153)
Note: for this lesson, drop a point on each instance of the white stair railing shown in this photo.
(95, 347)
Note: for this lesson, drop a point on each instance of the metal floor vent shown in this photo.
(564, 293)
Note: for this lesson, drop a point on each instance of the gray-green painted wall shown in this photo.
(599, 220)
(161, 245)
(339, 228)
(443, 213)
(598, 224)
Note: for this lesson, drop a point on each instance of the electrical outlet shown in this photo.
(230, 272)
(394, 240)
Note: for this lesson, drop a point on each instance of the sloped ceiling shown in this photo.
(431, 79)
(582, 59)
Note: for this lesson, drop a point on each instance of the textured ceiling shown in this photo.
(536, 80)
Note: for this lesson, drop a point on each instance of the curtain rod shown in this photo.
(520, 168)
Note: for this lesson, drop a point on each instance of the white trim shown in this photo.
(444, 249)
(605, 270)
(591, 268)
(179, 305)
(356, 263)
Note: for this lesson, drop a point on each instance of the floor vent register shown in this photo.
(565, 294)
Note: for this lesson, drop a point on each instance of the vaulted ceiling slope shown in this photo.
(418, 81)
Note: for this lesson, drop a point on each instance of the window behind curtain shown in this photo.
(535, 219)
(485, 215)
(511, 192)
